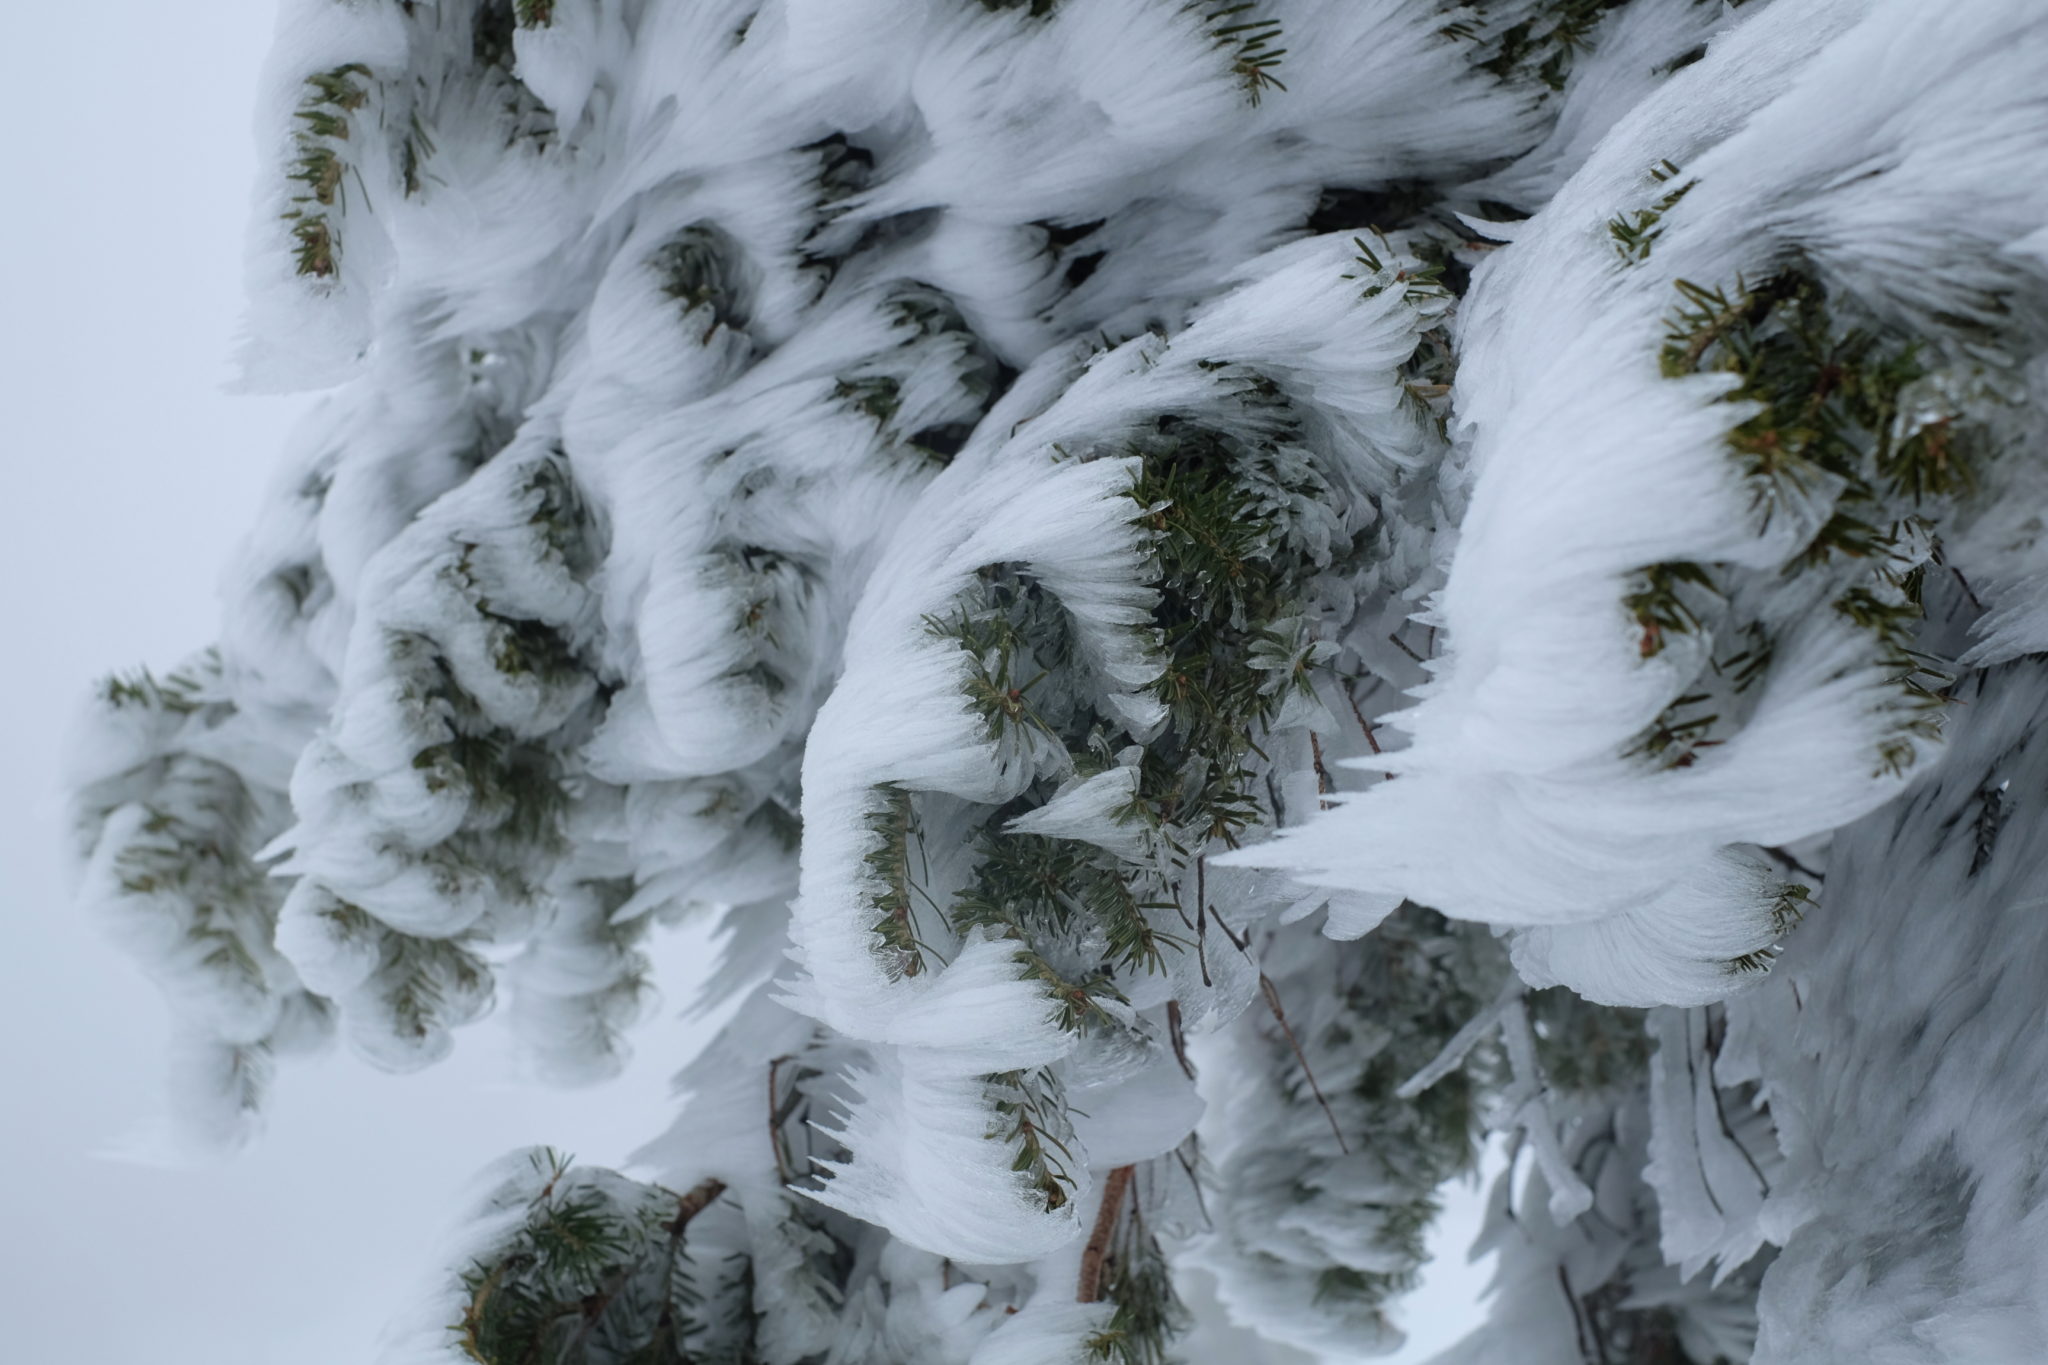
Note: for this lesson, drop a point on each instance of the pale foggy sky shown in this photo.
(124, 184)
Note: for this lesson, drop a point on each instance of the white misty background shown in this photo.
(130, 475)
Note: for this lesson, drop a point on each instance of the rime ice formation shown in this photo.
(1741, 673)
(1925, 1114)
(1212, 601)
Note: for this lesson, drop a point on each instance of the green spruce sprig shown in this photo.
(1662, 602)
(1634, 233)
(1030, 1116)
(1542, 46)
(894, 841)
(1252, 47)
(1830, 419)
(1680, 731)
(323, 120)
(594, 1271)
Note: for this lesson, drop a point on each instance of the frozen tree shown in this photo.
(1209, 602)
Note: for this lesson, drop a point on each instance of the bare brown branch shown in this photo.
(1113, 1187)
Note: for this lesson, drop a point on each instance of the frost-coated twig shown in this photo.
(1272, 995)
(1202, 918)
(1325, 784)
(1179, 1038)
(1194, 1180)
(1371, 736)
(1711, 1045)
(1523, 1107)
(1462, 1043)
(778, 1115)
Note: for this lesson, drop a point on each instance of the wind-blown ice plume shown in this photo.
(1733, 397)
(995, 893)
(171, 801)
(1924, 1115)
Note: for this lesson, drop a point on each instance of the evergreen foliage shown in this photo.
(1190, 692)
(1322, 1215)
(596, 1268)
